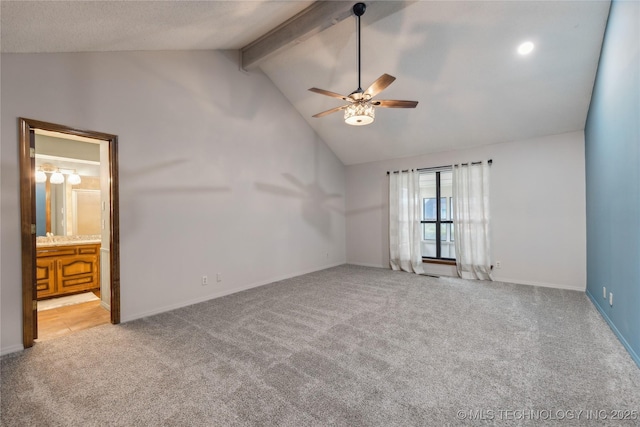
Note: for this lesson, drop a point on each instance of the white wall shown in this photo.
(218, 173)
(537, 208)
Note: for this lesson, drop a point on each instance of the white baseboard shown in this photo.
(541, 284)
(11, 349)
(128, 318)
(105, 306)
(364, 264)
(501, 279)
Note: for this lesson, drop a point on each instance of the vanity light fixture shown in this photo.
(56, 178)
(57, 175)
(74, 179)
(41, 176)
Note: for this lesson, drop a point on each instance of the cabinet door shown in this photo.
(77, 274)
(45, 277)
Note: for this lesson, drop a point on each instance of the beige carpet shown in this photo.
(50, 304)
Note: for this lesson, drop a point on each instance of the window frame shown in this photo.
(438, 221)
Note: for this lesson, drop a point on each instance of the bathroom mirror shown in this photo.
(67, 187)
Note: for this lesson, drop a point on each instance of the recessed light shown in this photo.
(525, 48)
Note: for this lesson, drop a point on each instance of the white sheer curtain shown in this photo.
(471, 220)
(404, 222)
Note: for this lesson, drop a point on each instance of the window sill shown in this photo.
(438, 261)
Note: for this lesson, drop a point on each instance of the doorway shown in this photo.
(75, 262)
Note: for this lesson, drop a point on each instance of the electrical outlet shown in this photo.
(604, 292)
(219, 277)
(498, 264)
(611, 299)
(205, 280)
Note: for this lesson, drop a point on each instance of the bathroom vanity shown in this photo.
(67, 266)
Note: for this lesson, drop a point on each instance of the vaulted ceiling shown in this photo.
(458, 59)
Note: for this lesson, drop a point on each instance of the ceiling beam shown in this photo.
(313, 20)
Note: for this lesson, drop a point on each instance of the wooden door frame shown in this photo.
(26, 132)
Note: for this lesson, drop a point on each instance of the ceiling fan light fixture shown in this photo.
(359, 113)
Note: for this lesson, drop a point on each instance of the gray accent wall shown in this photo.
(612, 137)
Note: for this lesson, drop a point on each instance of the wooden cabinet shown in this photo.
(45, 277)
(67, 269)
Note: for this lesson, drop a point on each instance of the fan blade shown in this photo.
(328, 93)
(393, 103)
(379, 85)
(333, 110)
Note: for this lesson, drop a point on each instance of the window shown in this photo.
(436, 193)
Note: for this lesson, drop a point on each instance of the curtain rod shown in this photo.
(490, 162)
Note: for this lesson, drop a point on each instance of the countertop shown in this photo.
(67, 240)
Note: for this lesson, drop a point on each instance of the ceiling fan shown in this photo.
(359, 109)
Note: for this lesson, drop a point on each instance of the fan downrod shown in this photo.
(358, 10)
